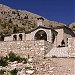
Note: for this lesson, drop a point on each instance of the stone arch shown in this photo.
(41, 35)
(20, 36)
(14, 37)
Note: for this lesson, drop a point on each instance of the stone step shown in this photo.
(58, 52)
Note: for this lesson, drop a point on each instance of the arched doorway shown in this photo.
(20, 36)
(41, 35)
(15, 37)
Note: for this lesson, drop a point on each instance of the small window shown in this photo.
(20, 37)
(15, 37)
(67, 42)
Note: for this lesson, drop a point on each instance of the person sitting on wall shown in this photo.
(62, 43)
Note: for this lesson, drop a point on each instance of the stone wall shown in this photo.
(25, 48)
(63, 51)
(71, 46)
(37, 48)
(59, 36)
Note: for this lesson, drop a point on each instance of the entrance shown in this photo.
(41, 35)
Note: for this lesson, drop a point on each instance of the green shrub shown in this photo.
(6, 58)
(27, 68)
(13, 57)
(13, 12)
(3, 62)
(16, 29)
(10, 21)
(25, 60)
(2, 71)
(13, 72)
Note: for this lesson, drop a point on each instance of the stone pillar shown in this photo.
(17, 37)
(23, 37)
(55, 42)
(40, 21)
(69, 42)
(49, 36)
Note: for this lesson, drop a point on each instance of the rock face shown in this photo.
(22, 17)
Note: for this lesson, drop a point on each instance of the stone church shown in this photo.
(56, 35)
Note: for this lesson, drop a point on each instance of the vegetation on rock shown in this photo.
(13, 57)
(14, 72)
(2, 71)
(3, 62)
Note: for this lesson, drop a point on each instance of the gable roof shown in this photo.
(44, 27)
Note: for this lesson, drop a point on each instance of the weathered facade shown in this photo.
(53, 37)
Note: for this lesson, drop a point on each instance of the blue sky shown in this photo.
(54, 10)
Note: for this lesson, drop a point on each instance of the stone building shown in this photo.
(42, 41)
(56, 35)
